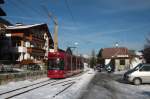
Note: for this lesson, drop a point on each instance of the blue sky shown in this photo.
(95, 24)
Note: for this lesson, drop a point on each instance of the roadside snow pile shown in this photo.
(127, 91)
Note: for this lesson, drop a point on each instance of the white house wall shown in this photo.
(22, 49)
(122, 67)
(117, 64)
(127, 64)
(27, 56)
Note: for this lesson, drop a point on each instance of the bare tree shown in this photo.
(100, 60)
(93, 59)
(146, 51)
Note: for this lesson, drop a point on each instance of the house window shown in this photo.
(122, 62)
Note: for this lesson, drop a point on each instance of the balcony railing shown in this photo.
(19, 49)
(34, 38)
(37, 51)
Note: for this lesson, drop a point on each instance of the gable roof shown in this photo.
(4, 21)
(115, 52)
(22, 26)
(2, 13)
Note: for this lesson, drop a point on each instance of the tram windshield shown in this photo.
(56, 64)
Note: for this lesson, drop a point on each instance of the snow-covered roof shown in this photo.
(22, 26)
(138, 53)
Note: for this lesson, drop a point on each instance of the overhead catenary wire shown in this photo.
(70, 12)
(28, 5)
(23, 7)
(16, 5)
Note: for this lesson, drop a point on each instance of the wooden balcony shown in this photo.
(33, 38)
(17, 35)
(38, 39)
(36, 51)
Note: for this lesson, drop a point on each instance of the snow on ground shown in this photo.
(76, 91)
(121, 90)
(129, 91)
(18, 84)
(47, 92)
(120, 72)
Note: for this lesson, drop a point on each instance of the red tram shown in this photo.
(62, 64)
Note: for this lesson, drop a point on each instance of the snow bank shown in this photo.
(47, 92)
(128, 91)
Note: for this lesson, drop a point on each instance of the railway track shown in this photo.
(26, 89)
(65, 88)
(68, 82)
(22, 87)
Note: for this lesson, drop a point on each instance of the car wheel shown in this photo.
(137, 81)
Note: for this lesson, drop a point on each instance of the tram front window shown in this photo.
(55, 64)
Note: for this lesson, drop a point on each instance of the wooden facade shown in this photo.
(29, 43)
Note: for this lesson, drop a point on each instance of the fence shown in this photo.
(5, 78)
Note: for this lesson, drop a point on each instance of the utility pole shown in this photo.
(55, 21)
(55, 35)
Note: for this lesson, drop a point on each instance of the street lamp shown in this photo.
(76, 44)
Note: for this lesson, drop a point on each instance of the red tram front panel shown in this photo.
(56, 74)
(56, 65)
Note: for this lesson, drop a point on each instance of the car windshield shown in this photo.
(137, 67)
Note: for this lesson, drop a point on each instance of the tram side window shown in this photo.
(61, 64)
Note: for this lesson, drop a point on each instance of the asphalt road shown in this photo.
(102, 88)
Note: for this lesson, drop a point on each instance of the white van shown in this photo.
(139, 74)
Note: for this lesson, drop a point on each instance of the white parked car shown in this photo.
(139, 74)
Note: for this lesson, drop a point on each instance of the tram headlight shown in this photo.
(57, 60)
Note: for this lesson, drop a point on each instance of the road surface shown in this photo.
(110, 86)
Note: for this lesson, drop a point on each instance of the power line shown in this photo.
(29, 6)
(25, 8)
(69, 10)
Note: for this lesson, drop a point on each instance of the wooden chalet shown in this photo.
(28, 43)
